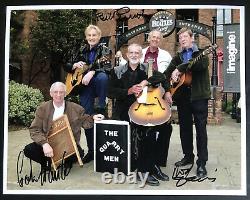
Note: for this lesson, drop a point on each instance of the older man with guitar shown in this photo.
(160, 61)
(88, 76)
(126, 84)
(191, 99)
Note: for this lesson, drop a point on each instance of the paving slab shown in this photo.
(223, 166)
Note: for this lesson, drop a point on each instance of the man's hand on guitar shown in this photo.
(144, 83)
(135, 89)
(104, 60)
(79, 64)
(168, 98)
(176, 75)
(86, 79)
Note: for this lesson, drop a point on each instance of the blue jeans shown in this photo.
(97, 87)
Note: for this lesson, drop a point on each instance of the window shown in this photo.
(224, 16)
(146, 20)
(121, 26)
(187, 15)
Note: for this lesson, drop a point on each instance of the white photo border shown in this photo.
(242, 191)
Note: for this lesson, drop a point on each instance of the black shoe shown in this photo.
(184, 161)
(162, 165)
(201, 171)
(46, 166)
(68, 164)
(157, 173)
(89, 157)
(151, 180)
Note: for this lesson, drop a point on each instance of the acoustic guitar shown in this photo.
(186, 78)
(150, 109)
(74, 80)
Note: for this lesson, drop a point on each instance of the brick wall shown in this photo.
(214, 107)
(108, 28)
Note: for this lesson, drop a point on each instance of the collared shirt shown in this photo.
(152, 55)
(187, 54)
(132, 75)
(58, 111)
(92, 54)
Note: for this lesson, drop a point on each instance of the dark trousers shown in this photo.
(163, 134)
(152, 145)
(97, 87)
(89, 133)
(187, 112)
(146, 149)
(35, 153)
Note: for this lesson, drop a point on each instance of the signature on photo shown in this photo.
(181, 175)
(44, 175)
(119, 13)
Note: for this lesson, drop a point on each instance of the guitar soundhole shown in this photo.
(75, 79)
(175, 84)
(73, 82)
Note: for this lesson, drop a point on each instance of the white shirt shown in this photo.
(58, 111)
(163, 59)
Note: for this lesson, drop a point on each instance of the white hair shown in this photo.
(151, 33)
(57, 84)
(135, 45)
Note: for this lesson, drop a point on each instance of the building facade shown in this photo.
(115, 23)
(120, 21)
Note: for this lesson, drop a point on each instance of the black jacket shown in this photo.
(97, 65)
(200, 87)
(119, 83)
(83, 55)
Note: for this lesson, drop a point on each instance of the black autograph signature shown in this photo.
(43, 176)
(120, 13)
(181, 176)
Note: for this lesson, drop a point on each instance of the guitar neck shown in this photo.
(198, 58)
(150, 67)
(205, 52)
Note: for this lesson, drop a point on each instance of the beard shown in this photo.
(134, 61)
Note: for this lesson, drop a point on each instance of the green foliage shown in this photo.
(227, 107)
(23, 101)
(73, 98)
(17, 47)
(59, 31)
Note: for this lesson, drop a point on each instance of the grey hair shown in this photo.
(155, 30)
(135, 45)
(90, 27)
(57, 84)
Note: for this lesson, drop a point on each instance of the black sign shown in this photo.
(231, 58)
(163, 21)
(200, 28)
(166, 23)
(112, 148)
(131, 33)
